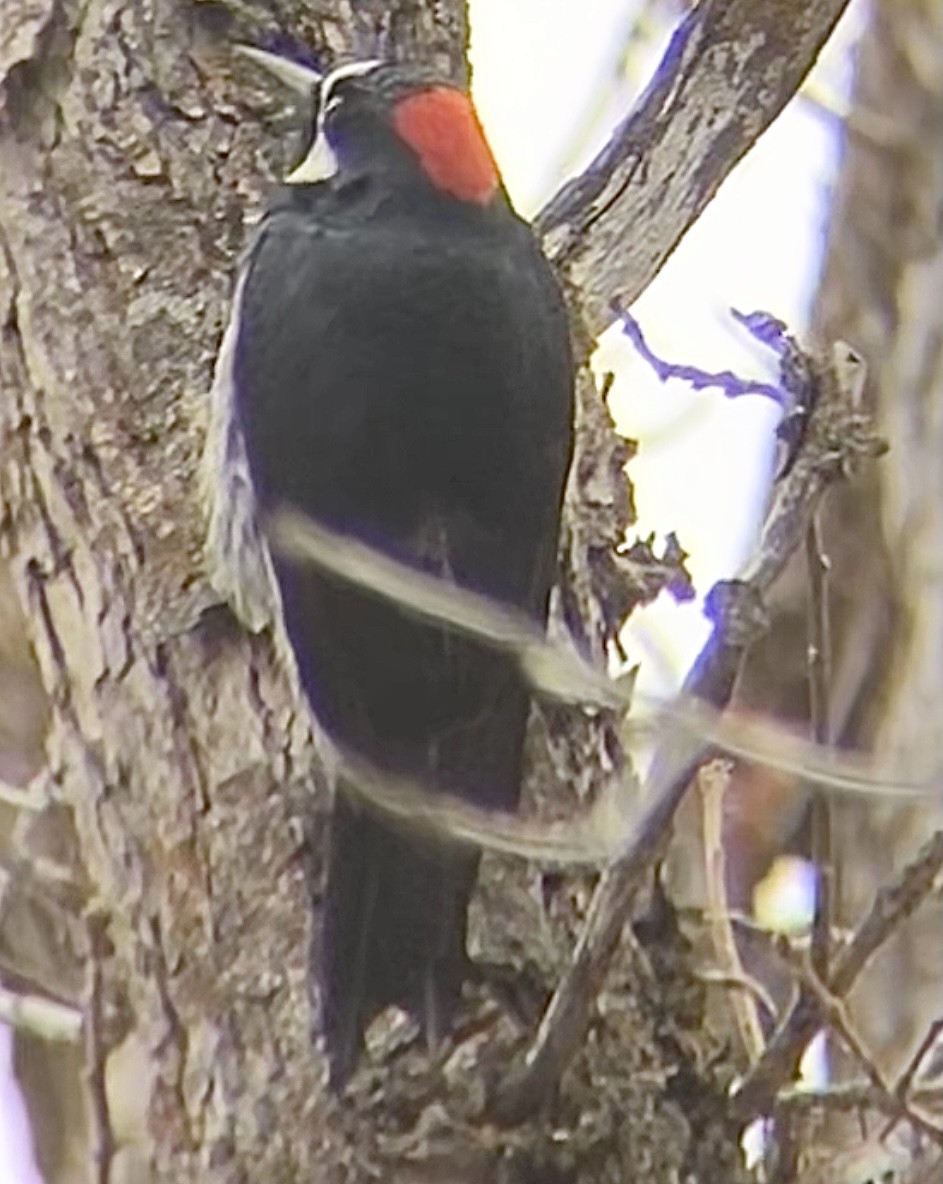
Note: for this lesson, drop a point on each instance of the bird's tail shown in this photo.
(394, 929)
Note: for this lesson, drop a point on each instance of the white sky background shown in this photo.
(704, 461)
(16, 1161)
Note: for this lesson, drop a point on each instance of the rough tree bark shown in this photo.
(167, 857)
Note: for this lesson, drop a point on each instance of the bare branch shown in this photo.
(819, 663)
(906, 1080)
(730, 69)
(892, 905)
(837, 435)
(96, 1048)
(849, 1096)
(713, 781)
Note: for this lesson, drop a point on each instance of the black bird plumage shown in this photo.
(400, 370)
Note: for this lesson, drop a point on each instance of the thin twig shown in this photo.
(893, 903)
(836, 1018)
(96, 1049)
(833, 1012)
(819, 669)
(742, 982)
(713, 780)
(906, 1079)
(903, 1089)
(854, 1095)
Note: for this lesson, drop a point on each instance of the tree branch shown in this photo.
(892, 904)
(837, 435)
(731, 67)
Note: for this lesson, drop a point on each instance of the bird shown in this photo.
(398, 368)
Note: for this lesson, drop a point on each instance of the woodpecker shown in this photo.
(398, 368)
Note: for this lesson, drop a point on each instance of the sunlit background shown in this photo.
(551, 77)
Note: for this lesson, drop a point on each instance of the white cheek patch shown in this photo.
(321, 162)
(318, 165)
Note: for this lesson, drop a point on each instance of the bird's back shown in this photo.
(406, 380)
(403, 374)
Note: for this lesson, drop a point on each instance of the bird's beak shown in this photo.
(300, 80)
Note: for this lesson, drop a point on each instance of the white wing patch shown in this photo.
(238, 559)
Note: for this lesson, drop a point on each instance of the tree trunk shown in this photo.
(169, 853)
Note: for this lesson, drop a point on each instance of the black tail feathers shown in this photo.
(394, 930)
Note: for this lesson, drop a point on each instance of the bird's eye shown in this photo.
(342, 95)
(334, 102)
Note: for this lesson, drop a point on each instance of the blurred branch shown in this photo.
(874, 127)
(687, 728)
(591, 837)
(559, 672)
(550, 669)
(731, 67)
(44, 1018)
(596, 836)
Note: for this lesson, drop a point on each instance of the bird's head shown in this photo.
(404, 121)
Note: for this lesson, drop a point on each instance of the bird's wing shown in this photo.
(238, 559)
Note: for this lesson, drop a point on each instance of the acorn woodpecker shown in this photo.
(398, 368)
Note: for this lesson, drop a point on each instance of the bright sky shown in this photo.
(16, 1166)
(704, 461)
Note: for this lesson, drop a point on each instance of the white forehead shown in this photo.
(351, 70)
